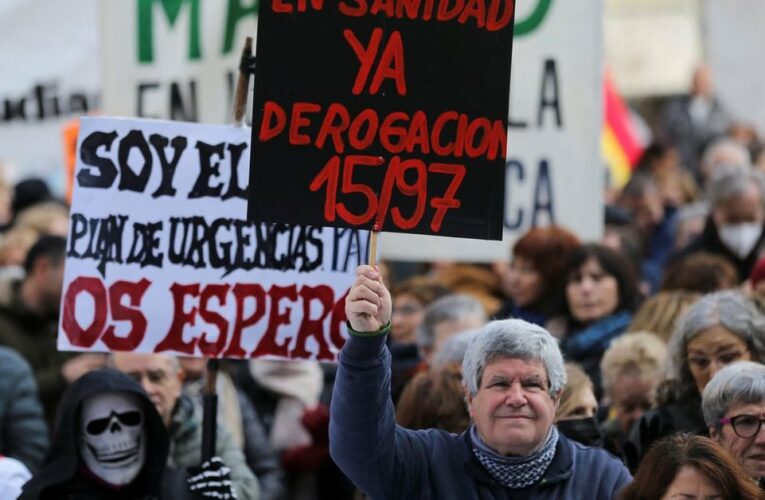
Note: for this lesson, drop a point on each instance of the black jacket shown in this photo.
(683, 415)
(23, 431)
(709, 241)
(62, 477)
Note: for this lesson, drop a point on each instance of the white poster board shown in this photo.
(159, 258)
(50, 74)
(555, 172)
(174, 60)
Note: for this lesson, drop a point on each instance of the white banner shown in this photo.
(555, 172)
(50, 74)
(173, 59)
(735, 45)
(160, 259)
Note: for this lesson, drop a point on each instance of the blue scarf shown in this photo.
(598, 335)
(515, 472)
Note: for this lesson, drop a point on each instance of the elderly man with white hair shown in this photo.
(513, 374)
(734, 409)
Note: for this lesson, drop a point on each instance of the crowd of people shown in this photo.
(629, 367)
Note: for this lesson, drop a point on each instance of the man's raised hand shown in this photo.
(368, 304)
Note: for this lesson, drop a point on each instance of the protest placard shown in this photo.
(160, 257)
(387, 114)
(173, 59)
(555, 173)
(41, 89)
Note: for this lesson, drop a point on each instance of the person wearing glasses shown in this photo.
(719, 329)
(734, 409)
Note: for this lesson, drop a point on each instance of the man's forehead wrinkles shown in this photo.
(531, 377)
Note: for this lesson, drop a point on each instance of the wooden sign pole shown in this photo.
(372, 258)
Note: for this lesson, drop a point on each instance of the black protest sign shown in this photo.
(382, 114)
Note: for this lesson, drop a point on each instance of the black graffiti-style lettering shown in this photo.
(105, 168)
(208, 168)
(160, 142)
(105, 156)
(130, 180)
(242, 258)
(234, 189)
(232, 244)
(348, 247)
(146, 240)
(100, 171)
(209, 182)
(98, 239)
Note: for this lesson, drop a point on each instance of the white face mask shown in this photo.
(112, 441)
(740, 238)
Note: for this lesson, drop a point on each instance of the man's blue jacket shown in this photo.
(387, 461)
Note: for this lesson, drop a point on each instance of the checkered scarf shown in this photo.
(515, 472)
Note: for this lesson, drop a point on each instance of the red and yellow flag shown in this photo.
(620, 144)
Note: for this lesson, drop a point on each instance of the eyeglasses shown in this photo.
(129, 418)
(745, 426)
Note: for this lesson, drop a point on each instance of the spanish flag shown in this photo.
(620, 144)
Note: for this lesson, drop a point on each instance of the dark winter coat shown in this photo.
(684, 415)
(34, 338)
(678, 128)
(23, 431)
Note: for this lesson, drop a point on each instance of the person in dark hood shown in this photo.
(109, 442)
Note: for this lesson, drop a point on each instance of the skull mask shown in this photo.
(112, 437)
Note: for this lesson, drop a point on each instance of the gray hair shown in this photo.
(451, 307)
(690, 211)
(513, 339)
(175, 363)
(728, 309)
(453, 350)
(724, 151)
(733, 182)
(742, 382)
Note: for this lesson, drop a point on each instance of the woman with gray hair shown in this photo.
(734, 409)
(446, 317)
(720, 328)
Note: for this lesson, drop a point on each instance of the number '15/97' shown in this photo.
(378, 207)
